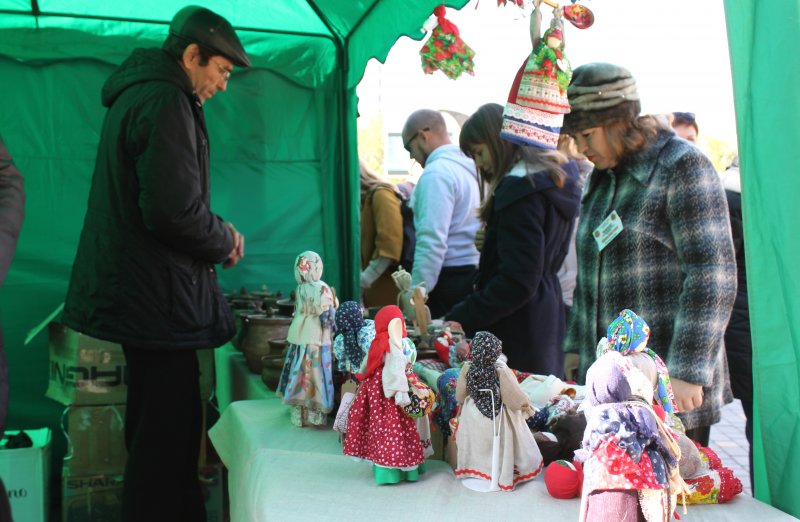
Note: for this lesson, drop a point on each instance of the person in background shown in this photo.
(445, 202)
(738, 342)
(685, 126)
(569, 268)
(12, 213)
(534, 197)
(653, 237)
(144, 274)
(381, 238)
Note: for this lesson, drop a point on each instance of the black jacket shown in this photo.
(518, 296)
(144, 271)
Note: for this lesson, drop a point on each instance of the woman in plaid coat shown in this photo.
(671, 259)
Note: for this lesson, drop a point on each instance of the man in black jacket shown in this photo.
(144, 271)
(12, 212)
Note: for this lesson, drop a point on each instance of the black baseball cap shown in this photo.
(206, 28)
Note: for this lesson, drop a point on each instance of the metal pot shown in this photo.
(285, 306)
(271, 367)
(257, 330)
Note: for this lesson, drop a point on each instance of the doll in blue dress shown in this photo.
(306, 382)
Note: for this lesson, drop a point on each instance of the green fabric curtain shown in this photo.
(284, 157)
(763, 45)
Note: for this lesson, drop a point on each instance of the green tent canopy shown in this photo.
(284, 159)
(284, 165)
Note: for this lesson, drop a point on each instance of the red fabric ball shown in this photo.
(564, 479)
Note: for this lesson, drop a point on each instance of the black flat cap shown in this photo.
(206, 28)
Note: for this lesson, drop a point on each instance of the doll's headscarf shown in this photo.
(307, 267)
(310, 290)
(380, 345)
(482, 374)
(629, 334)
(349, 320)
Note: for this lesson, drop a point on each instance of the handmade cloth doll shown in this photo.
(630, 456)
(520, 459)
(445, 50)
(707, 480)
(352, 326)
(306, 381)
(537, 102)
(628, 334)
(379, 430)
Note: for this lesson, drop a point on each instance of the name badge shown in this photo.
(608, 230)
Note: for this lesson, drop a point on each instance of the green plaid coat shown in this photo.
(673, 264)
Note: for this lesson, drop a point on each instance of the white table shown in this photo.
(281, 473)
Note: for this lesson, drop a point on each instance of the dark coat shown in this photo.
(737, 335)
(12, 211)
(518, 296)
(144, 272)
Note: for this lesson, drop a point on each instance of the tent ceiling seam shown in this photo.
(360, 21)
(37, 13)
(335, 34)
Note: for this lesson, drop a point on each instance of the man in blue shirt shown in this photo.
(445, 203)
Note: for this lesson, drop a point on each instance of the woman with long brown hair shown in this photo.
(528, 215)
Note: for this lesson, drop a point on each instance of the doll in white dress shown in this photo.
(507, 406)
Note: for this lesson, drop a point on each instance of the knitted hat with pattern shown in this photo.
(599, 94)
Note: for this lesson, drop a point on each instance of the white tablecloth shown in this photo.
(281, 473)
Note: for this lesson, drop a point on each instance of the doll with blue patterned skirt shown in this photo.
(306, 382)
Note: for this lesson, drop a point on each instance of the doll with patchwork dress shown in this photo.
(306, 382)
(707, 480)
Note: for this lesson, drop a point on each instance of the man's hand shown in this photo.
(688, 396)
(238, 247)
(571, 363)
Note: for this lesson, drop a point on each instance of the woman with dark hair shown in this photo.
(654, 237)
(533, 200)
(381, 238)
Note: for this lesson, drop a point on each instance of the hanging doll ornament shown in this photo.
(445, 50)
(537, 102)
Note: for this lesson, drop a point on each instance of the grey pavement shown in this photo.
(729, 442)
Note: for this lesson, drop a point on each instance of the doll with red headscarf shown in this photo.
(378, 428)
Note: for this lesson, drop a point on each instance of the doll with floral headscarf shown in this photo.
(306, 382)
(378, 428)
(520, 459)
